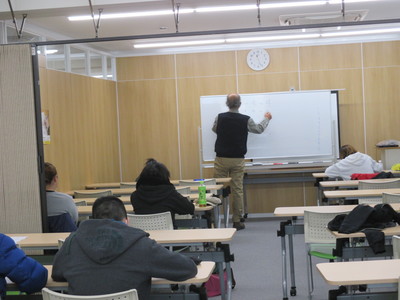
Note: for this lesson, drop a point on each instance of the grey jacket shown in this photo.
(106, 256)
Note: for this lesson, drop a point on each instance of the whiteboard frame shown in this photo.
(292, 159)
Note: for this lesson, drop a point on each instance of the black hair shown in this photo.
(109, 207)
(153, 173)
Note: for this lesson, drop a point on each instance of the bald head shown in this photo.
(233, 101)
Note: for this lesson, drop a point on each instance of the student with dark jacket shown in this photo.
(106, 256)
(29, 275)
(156, 194)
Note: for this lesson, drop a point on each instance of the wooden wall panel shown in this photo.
(350, 98)
(147, 67)
(206, 64)
(281, 60)
(148, 124)
(382, 90)
(265, 83)
(330, 57)
(189, 91)
(83, 128)
(381, 54)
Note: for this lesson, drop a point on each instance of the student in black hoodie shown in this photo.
(106, 256)
(156, 194)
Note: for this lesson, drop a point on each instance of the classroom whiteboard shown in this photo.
(304, 125)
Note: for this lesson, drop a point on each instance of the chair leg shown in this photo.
(309, 276)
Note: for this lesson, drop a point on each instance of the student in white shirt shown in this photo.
(352, 162)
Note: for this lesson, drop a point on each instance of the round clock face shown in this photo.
(258, 59)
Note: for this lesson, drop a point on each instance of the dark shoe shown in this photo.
(238, 225)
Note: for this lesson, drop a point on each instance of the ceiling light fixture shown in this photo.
(178, 44)
(273, 38)
(213, 9)
(130, 15)
(360, 32)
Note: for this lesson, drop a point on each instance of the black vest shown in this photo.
(231, 135)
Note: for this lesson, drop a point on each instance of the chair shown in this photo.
(92, 194)
(126, 295)
(81, 203)
(183, 190)
(319, 241)
(61, 223)
(160, 221)
(390, 198)
(126, 185)
(396, 246)
(376, 184)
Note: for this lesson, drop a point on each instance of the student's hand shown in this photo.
(268, 115)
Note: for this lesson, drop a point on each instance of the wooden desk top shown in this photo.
(319, 175)
(128, 191)
(182, 236)
(390, 231)
(360, 272)
(87, 210)
(351, 183)
(223, 181)
(204, 271)
(298, 211)
(359, 193)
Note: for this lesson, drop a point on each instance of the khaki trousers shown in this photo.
(234, 168)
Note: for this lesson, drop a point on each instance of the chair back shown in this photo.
(376, 184)
(316, 227)
(210, 181)
(185, 190)
(396, 246)
(160, 221)
(81, 203)
(126, 185)
(390, 198)
(125, 295)
(92, 194)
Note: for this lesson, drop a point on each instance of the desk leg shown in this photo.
(229, 280)
(217, 218)
(226, 211)
(222, 281)
(284, 269)
(291, 265)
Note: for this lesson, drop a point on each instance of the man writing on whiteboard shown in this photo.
(232, 129)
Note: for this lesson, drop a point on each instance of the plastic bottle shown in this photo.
(202, 195)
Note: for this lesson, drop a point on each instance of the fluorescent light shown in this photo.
(273, 38)
(225, 8)
(177, 44)
(130, 15)
(292, 4)
(51, 51)
(360, 32)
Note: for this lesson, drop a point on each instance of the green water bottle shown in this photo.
(202, 195)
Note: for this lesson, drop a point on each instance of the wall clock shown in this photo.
(258, 59)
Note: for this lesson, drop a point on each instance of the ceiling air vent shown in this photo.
(322, 18)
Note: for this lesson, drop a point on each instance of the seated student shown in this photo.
(29, 275)
(156, 194)
(58, 203)
(352, 162)
(105, 255)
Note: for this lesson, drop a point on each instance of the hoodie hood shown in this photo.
(154, 193)
(105, 240)
(356, 159)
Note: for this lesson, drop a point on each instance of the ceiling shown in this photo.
(49, 18)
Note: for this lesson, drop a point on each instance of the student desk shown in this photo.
(224, 181)
(359, 193)
(293, 226)
(344, 250)
(204, 271)
(362, 272)
(186, 237)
